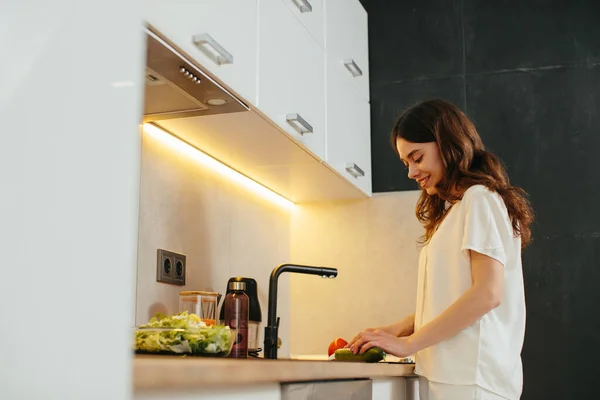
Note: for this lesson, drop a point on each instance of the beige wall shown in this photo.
(373, 244)
(223, 229)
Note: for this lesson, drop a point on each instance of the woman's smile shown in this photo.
(423, 181)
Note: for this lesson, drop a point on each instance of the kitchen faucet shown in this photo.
(272, 328)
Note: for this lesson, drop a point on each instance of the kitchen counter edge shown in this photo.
(166, 372)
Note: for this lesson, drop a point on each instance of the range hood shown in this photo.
(178, 88)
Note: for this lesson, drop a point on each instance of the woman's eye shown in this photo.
(418, 160)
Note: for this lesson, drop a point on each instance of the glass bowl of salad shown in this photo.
(184, 334)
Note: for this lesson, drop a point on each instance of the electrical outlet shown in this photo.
(179, 265)
(170, 267)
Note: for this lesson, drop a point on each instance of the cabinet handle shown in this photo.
(303, 5)
(352, 67)
(354, 170)
(218, 55)
(299, 123)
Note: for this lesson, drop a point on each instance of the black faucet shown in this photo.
(272, 328)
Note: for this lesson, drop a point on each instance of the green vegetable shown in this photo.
(188, 335)
(374, 354)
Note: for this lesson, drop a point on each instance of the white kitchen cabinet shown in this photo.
(392, 388)
(348, 131)
(219, 35)
(267, 391)
(311, 14)
(71, 177)
(282, 56)
(291, 82)
(346, 42)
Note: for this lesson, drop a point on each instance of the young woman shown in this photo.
(468, 328)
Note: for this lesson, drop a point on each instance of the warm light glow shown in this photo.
(196, 154)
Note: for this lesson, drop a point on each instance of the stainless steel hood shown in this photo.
(178, 88)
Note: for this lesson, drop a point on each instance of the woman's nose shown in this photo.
(412, 172)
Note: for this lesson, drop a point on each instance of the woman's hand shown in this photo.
(397, 346)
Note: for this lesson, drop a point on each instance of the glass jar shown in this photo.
(203, 304)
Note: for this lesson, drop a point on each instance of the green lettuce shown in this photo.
(187, 334)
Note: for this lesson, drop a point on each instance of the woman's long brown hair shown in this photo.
(466, 163)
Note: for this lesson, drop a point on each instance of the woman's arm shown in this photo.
(485, 294)
(482, 297)
(404, 327)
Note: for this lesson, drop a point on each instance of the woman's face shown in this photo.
(424, 163)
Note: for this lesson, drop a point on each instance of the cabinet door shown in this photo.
(311, 14)
(361, 389)
(219, 34)
(346, 42)
(291, 82)
(348, 131)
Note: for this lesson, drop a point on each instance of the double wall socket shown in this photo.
(170, 267)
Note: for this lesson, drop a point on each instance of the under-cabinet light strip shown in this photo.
(198, 155)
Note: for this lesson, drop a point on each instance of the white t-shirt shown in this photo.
(487, 353)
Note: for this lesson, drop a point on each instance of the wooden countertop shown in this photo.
(167, 372)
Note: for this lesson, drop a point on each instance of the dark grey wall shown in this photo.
(528, 73)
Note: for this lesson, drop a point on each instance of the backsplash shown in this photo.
(223, 229)
(373, 244)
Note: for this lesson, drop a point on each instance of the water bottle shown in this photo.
(236, 305)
